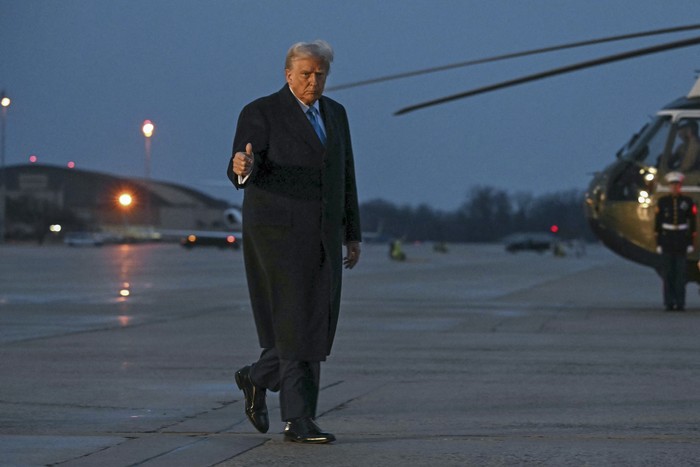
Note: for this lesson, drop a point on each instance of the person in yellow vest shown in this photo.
(675, 233)
(395, 251)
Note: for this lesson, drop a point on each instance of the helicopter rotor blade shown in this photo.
(557, 71)
(508, 56)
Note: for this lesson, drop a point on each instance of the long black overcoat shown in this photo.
(299, 207)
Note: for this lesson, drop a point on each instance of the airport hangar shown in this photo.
(41, 195)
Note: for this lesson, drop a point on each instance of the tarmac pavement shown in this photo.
(476, 357)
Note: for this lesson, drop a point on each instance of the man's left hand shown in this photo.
(353, 255)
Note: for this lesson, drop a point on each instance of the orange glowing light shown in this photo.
(125, 199)
(231, 239)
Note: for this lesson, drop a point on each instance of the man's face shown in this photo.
(307, 78)
(675, 188)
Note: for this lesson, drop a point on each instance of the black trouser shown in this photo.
(674, 279)
(297, 381)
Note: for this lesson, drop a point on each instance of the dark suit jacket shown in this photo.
(300, 206)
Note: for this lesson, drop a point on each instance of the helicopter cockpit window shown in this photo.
(685, 155)
(650, 145)
(647, 149)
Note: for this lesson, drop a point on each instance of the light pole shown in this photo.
(147, 128)
(4, 103)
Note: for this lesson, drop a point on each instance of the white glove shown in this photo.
(690, 249)
(659, 250)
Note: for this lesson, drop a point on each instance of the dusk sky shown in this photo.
(84, 74)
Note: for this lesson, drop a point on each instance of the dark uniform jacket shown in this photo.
(675, 223)
(300, 206)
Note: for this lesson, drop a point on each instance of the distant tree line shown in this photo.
(487, 215)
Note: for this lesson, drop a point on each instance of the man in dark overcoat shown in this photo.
(293, 156)
(675, 227)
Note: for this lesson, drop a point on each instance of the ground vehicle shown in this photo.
(224, 240)
(534, 241)
(83, 239)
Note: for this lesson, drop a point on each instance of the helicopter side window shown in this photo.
(625, 150)
(648, 147)
(686, 146)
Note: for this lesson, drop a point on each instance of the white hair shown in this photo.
(317, 49)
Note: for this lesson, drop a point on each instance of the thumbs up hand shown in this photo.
(243, 161)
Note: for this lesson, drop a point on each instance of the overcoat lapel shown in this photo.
(329, 122)
(298, 124)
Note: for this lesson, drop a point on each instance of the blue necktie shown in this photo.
(311, 114)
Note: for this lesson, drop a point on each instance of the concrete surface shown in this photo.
(471, 358)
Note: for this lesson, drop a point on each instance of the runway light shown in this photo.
(55, 228)
(5, 101)
(124, 291)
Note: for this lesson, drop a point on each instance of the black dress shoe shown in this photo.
(305, 430)
(255, 407)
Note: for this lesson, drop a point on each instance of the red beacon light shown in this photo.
(554, 228)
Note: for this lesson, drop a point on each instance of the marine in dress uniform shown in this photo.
(675, 231)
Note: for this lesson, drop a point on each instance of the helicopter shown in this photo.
(619, 203)
(620, 200)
